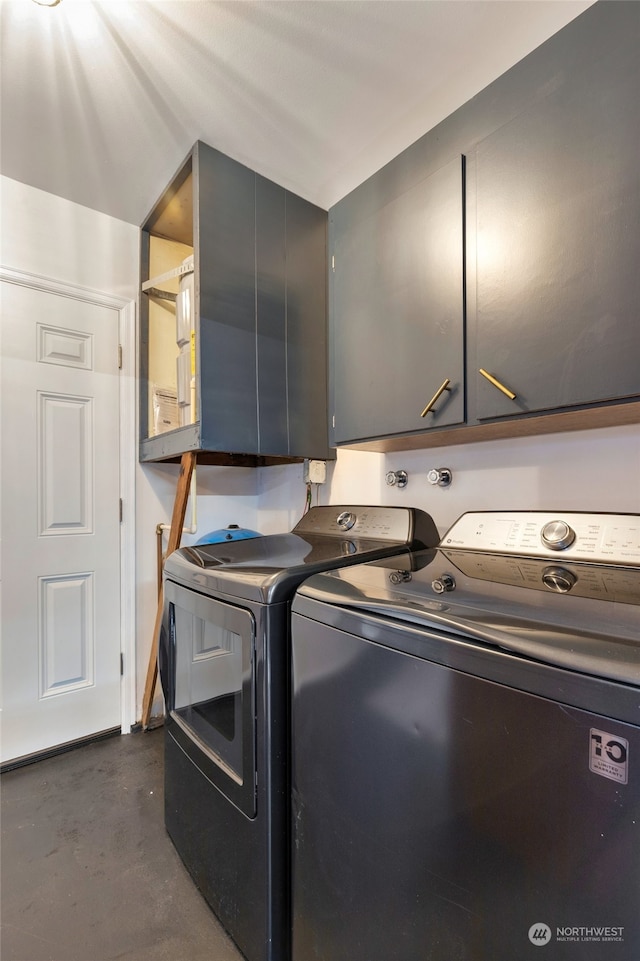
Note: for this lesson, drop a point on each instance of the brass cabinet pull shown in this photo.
(439, 391)
(496, 383)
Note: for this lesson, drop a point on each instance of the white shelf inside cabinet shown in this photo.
(152, 289)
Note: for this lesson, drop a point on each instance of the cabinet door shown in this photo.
(398, 312)
(225, 242)
(558, 246)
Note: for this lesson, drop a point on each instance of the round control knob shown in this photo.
(400, 577)
(397, 478)
(557, 535)
(443, 584)
(558, 579)
(439, 476)
(346, 520)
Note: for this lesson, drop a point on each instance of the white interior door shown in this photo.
(60, 520)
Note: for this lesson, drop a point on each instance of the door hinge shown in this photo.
(121, 664)
(333, 263)
(121, 510)
(119, 356)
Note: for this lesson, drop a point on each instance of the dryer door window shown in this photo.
(212, 689)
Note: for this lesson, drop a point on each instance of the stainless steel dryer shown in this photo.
(466, 747)
(225, 670)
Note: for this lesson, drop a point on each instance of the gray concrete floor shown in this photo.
(88, 871)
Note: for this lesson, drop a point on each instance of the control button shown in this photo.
(558, 579)
(346, 520)
(557, 535)
(443, 584)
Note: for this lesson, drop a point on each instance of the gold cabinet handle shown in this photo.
(496, 383)
(439, 391)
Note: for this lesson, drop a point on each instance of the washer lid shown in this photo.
(578, 616)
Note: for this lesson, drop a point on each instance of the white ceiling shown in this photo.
(101, 101)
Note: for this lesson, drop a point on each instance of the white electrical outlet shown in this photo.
(314, 472)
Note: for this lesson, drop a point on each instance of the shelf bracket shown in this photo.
(160, 294)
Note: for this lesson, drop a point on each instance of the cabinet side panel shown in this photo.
(225, 252)
(307, 328)
(271, 317)
(143, 340)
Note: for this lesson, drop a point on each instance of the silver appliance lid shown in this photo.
(550, 604)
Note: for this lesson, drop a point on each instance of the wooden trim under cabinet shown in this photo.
(616, 415)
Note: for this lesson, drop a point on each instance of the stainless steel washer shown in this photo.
(466, 747)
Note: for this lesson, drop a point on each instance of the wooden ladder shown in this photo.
(187, 463)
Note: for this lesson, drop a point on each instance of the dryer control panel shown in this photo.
(399, 524)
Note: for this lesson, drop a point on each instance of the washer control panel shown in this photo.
(595, 538)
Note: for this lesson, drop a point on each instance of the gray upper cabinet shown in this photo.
(558, 245)
(544, 299)
(397, 307)
(233, 318)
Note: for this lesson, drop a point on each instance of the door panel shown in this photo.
(558, 247)
(398, 312)
(60, 522)
(65, 633)
(65, 474)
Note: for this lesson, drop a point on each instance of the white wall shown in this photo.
(48, 238)
(51, 237)
(592, 470)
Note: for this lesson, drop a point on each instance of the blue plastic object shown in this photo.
(230, 533)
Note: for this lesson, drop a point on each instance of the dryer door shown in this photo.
(209, 680)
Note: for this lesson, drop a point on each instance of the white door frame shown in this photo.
(128, 455)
